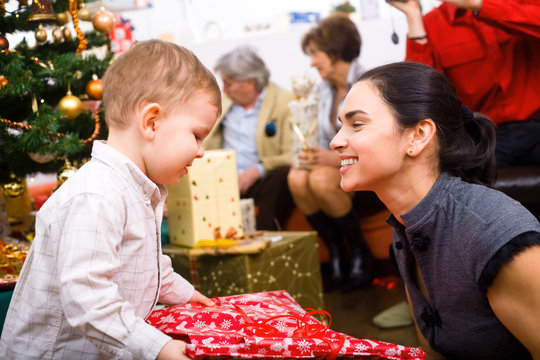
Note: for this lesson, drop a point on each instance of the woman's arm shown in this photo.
(514, 297)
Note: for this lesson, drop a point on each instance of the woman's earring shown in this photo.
(410, 151)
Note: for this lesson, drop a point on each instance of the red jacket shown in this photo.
(492, 58)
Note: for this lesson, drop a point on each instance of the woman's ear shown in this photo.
(147, 120)
(421, 136)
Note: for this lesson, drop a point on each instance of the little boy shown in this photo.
(95, 269)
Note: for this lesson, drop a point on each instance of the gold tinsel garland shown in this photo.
(80, 35)
(26, 127)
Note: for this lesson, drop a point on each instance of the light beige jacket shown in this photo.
(273, 150)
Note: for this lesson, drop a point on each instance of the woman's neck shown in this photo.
(338, 76)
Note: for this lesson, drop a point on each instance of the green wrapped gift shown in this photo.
(290, 262)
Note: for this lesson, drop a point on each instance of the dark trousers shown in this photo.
(272, 198)
(518, 143)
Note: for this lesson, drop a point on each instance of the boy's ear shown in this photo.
(148, 117)
(421, 136)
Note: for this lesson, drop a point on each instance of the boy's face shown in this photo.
(178, 139)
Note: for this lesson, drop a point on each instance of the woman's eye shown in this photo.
(356, 125)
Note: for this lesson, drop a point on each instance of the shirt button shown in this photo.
(420, 243)
(399, 245)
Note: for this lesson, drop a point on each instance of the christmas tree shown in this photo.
(49, 92)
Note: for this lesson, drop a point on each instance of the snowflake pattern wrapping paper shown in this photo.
(266, 325)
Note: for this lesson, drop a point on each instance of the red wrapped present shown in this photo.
(267, 325)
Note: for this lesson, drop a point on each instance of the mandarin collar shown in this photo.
(124, 167)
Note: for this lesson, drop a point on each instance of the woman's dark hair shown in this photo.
(337, 36)
(415, 92)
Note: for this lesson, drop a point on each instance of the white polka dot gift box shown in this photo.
(205, 204)
(266, 325)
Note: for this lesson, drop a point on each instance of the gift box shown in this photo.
(267, 325)
(289, 262)
(205, 204)
(303, 117)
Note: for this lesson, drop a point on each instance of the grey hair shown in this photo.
(242, 64)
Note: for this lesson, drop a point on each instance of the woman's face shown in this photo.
(372, 149)
(320, 60)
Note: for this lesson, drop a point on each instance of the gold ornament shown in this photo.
(103, 21)
(65, 172)
(41, 34)
(15, 187)
(84, 13)
(3, 81)
(63, 17)
(67, 33)
(57, 35)
(70, 105)
(94, 89)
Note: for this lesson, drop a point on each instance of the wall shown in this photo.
(211, 33)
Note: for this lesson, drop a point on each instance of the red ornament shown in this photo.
(3, 81)
(4, 43)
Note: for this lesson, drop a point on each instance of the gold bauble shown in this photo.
(67, 33)
(63, 17)
(57, 35)
(84, 13)
(14, 188)
(94, 89)
(70, 105)
(41, 34)
(65, 172)
(103, 21)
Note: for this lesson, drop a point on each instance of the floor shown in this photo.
(352, 312)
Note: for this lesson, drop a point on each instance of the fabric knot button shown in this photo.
(399, 245)
(431, 317)
(420, 243)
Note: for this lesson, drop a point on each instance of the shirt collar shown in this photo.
(452, 12)
(124, 167)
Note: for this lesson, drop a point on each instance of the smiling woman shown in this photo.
(467, 253)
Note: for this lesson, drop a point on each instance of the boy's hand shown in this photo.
(201, 299)
(173, 350)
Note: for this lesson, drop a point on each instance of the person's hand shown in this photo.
(473, 5)
(318, 156)
(409, 7)
(247, 178)
(173, 350)
(201, 299)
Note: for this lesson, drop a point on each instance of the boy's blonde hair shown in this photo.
(154, 71)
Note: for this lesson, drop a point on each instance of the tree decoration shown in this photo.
(42, 158)
(103, 21)
(4, 43)
(84, 13)
(66, 32)
(65, 172)
(15, 187)
(2, 8)
(3, 82)
(70, 105)
(94, 88)
(41, 34)
(80, 36)
(57, 35)
(62, 18)
(42, 11)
